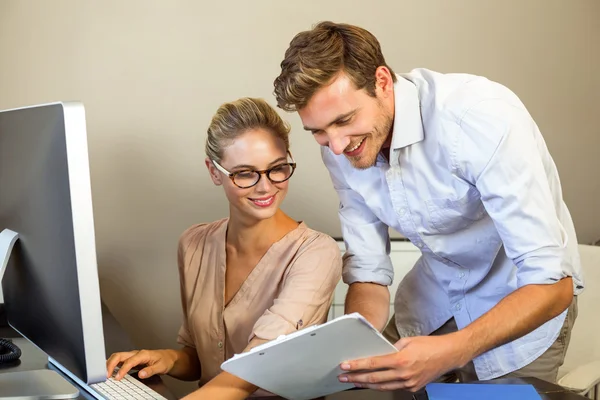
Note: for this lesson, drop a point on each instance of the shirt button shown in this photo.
(419, 244)
(457, 307)
(220, 344)
(461, 275)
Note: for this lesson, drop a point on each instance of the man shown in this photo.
(457, 165)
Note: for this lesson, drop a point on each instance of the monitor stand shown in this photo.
(40, 384)
(8, 239)
(35, 384)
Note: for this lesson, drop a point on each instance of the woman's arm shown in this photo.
(187, 365)
(226, 385)
(223, 386)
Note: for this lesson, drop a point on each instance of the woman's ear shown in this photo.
(213, 172)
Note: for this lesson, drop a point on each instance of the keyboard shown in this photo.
(125, 389)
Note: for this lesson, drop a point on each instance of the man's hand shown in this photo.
(419, 360)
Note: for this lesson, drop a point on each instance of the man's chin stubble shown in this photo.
(361, 166)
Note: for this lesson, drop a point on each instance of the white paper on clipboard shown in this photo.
(306, 364)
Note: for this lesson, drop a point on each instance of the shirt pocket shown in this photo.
(452, 215)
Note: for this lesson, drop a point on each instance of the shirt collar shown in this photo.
(408, 126)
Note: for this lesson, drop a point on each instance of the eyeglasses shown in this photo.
(247, 178)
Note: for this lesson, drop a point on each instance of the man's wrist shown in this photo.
(465, 343)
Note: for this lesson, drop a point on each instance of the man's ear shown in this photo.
(213, 172)
(384, 82)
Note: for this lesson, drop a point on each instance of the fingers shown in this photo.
(381, 372)
(141, 357)
(402, 343)
(115, 359)
(371, 377)
(383, 380)
(370, 363)
(147, 372)
(393, 385)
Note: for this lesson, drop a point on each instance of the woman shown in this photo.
(248, 278)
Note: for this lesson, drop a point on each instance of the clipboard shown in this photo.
(306, 364)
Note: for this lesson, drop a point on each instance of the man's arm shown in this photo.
(516, 315)
(519, 190)
(367, 265)
(371, 300)
(422, 359)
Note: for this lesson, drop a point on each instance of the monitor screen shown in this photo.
(50, 286)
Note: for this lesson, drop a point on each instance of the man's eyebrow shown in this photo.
(337, 119)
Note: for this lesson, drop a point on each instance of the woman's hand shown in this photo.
(153, 361)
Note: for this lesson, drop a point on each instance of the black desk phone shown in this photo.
(8, 350)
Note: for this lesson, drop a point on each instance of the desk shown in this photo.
(115, 339)
(34, 358)
(548, 391)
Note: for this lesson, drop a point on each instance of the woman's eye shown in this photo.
(246, 174)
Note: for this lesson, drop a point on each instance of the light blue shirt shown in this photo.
(471, 183)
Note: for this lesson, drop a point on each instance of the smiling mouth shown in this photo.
(354, 148)
(264, 202)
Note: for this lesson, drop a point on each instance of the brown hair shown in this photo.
(239, 116)
(316, 56)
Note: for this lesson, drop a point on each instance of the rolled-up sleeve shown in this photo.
(499, 151)
(366, 238)
(307, 290)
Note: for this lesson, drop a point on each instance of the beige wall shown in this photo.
(151, 73)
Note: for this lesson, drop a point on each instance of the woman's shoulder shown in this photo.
(313, 240)
(315, 253)
(197, 233)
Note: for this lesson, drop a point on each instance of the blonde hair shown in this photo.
(316, 56)
(237, 117)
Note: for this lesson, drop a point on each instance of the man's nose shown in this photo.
(338, 143)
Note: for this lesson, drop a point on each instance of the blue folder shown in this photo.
(479, 391)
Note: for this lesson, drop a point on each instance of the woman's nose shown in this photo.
(264, 184)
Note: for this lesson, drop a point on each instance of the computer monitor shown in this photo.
(50, 286)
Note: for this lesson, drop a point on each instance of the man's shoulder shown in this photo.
(449, 96)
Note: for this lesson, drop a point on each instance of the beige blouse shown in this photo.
(290, 288)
